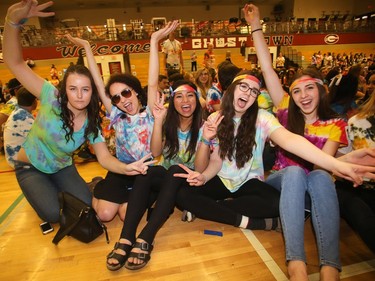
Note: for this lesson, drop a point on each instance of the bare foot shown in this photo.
(329, 273)
(297, 271)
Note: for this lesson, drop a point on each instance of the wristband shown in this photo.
(206, 142)
(15, 25)
(255, 30)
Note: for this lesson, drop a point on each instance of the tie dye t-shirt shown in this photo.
(317, 133)
(16, 130)
(361, 132)
(182, 156)
(133, 134)
(46, 146)
(232, 177)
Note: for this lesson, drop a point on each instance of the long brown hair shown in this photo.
(240, 145)
(296, 120)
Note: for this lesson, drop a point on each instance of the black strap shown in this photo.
(63, 232)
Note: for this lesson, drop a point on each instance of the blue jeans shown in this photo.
(293, 183)
(41, 189)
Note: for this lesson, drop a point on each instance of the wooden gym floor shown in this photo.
(182, 251)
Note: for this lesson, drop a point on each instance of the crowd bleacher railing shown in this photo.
(138, 30)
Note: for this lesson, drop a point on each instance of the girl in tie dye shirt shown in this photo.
(67, 118)
(305, 112)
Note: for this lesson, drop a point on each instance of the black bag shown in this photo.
(78, 220)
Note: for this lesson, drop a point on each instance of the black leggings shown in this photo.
(157, 178)
(214, 202)
(357, 207)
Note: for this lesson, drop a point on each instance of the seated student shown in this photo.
(303, 111)
(130, 114)
(235, 168)
(175, 138)
(67, 118)
(357, 205)
(18, 124)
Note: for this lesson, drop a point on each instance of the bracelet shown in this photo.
(206, 142)
(255, 30)
(15, 25)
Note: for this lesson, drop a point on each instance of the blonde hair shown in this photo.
(368, 108)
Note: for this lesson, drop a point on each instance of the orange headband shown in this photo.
(297, 81)
(246, 76)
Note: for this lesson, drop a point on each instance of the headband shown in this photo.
(183, 88)
(315, 80)
(247, 76)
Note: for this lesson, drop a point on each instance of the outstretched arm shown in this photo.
(153, 67)
(93, 69)
(12, 49)
(301, 147)
(111, 163)
(274, 86)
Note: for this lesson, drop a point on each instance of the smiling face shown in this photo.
(185, 103)
(130, 105)
(204, 76)
(245, 93)
(306, 96)
(79, 92)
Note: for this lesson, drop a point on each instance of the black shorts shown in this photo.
(114, 188)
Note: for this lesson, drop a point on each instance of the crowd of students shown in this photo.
(163, 148)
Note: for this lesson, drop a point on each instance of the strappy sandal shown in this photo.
(120, 258)
(145, 257)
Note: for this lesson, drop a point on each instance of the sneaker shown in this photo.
(187, 216)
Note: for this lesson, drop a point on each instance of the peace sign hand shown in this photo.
(210, 126)
(192, 177)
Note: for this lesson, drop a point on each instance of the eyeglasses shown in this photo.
(127, 93)
(254, 92)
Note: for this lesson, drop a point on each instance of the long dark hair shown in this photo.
(93, 108)
(239, 146)
(170, 127)
(296, 121)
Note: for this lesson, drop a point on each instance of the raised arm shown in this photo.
(93, 69)
(154, 66)
(301, 147)
(273, 84)
(12, 50)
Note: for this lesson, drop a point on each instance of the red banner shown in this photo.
(143, 46)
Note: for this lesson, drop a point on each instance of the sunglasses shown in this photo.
(127, 93)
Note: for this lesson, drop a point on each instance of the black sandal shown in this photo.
(145, 257)
(120, 258)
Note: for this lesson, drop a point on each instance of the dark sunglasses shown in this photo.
(127, 93)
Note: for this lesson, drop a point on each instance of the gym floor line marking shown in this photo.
(265, 256)
(12, 216)
(347, 271)
(11, 208)
(351, 270)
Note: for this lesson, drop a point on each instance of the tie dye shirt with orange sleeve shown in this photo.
(317, 133)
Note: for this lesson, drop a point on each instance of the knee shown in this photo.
(105, 214)
(295, 171)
